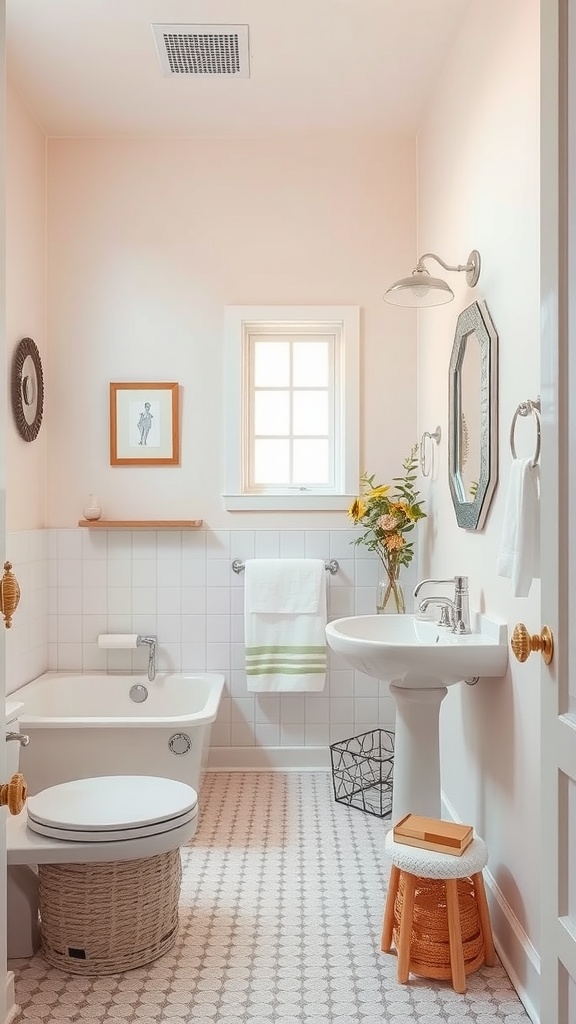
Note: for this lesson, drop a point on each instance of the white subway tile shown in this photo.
(267, 735)
(119, 545)
(69, 572)
(237, 601)
(144, 544)
(341, 710)
(193, 573)
(340, 544)
(317, 544)
(169, 629)
(340, 602)
(218, 600)
(316, 735)
(143, 572)
(341, 682)
(169, 545)
(237, 629)
(316, 710)
(218, 657)
(292, 735)
(241, 735)
(242, 709)
(69, 545)
(218, 629)
(193, 600)
(366, 710)
(194, 544)
(69, 629)
(69, 657)
(266, 707)
(169, 657)
(193, 657)
(194, 629)
(143, 600)
(220, 734)
(119, 622)
(238, 686)
(95, 601)
(267, 544)
(242, 544)
(169, 572)
(169, 601)
(292, 708)
(224, 710)
(119, 572)
(94, 544)
(68, 600)
(341, 731)
(94, 574)
(119, 600)
(218, 545)
(218, 572)
(368, 572)
(292, 544)
(93, 659)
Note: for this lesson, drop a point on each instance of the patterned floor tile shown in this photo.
(280, 916)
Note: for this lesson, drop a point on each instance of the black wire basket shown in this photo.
(363, 770)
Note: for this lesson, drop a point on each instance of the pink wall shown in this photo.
(25, 302)
(148, 241)
(479, 188)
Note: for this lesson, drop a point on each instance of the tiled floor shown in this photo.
(281, 911)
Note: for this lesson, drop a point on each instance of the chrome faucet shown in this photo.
(454, 614)
(150, 642)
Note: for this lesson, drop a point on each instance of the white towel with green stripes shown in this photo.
(285, 624)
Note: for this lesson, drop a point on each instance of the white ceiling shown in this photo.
(90, 67)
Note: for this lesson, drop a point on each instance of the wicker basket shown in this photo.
(106, 918)
(430, 942)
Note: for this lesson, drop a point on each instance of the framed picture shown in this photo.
(144, 424)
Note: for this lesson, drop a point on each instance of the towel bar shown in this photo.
(331, 566)
(526, 408)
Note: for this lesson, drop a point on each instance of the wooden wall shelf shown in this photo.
(141, 524)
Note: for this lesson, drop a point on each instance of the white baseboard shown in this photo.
(519, 957)
(12, 1008)
(268, 759)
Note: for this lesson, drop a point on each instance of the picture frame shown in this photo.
(144, 423)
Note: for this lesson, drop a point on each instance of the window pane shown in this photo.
(271, 462)
(272, 412)
(271, 364)
(311, 462)
(310, 366)
(310, 411)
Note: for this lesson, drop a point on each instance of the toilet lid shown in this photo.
(110, 808)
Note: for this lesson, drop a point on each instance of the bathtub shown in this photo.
(82, 726)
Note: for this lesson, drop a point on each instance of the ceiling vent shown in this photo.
(203, 49)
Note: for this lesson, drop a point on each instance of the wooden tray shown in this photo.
(433, 834)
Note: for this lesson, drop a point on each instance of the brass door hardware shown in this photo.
(13, 794)
(523, 643)
(9, 594)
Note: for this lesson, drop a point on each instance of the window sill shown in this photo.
(288, 502)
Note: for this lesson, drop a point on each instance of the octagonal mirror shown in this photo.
(473, 416)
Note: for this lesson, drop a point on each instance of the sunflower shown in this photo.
(357, 510)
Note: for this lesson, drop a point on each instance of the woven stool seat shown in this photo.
(104, 918)
(436, 912)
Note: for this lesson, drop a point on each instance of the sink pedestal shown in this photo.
(416, 786)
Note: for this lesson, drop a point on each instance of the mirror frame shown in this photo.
(471, 515)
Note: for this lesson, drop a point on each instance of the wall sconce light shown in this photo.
(421, 289)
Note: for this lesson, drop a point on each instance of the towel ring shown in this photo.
(427, 464)
(527, 408)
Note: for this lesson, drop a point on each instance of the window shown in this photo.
(292, 407)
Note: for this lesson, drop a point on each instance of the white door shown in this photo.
(558, 483)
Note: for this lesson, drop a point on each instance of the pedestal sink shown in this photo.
(420, 660)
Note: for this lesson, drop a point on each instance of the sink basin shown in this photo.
(415, 652)
(420, 660)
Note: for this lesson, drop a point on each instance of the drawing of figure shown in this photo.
(144, 423)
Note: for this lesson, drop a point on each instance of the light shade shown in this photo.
(420, 289)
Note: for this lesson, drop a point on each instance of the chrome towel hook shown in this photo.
(427, 451)
(527, 408)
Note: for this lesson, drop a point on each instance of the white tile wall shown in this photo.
(180, 586)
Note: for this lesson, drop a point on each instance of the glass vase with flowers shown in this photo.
(388, 512)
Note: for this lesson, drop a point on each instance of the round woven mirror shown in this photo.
(27, 389)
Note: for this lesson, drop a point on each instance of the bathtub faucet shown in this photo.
(150, 642)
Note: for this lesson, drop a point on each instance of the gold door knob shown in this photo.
(13, 794)
(9, 594)
(523, 644)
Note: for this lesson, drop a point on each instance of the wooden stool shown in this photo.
(436, 912)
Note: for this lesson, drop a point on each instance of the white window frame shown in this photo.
(240, 323)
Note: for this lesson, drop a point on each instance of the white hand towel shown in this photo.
(285, 625)
(518, 558)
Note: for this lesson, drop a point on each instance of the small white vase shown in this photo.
(92, 510)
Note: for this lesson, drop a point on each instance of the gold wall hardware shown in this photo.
(13, 794)
(523, 644)
(9, 594)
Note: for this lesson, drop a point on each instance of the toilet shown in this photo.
(91, 851)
